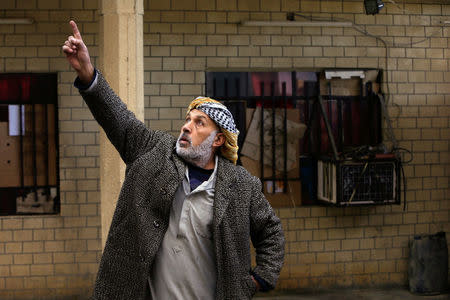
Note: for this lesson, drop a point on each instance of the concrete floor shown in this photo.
(352, 294)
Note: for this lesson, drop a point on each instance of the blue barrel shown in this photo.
(428, 264)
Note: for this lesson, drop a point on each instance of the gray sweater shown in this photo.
(141, 218)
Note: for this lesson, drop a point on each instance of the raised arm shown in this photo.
(128, 134)
(77, 55)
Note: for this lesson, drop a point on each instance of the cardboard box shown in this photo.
(292, 197)
(348, 86)
(250, 155)
(44, 158)
(43, 204)
(340, 87)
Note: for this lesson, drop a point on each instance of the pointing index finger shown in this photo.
(75, 30)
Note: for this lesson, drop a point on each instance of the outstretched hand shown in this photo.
(77, 55)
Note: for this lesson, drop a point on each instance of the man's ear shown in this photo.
(219, 140)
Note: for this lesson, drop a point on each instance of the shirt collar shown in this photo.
(206, 185)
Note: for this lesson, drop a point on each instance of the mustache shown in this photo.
(185, 136)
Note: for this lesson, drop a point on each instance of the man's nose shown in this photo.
(186, 127)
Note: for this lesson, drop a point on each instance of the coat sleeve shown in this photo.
(267, 237)
(129, 135)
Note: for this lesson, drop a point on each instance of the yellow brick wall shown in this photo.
(326, 247)
(55, 255)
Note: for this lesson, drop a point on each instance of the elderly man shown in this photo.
(186, 212)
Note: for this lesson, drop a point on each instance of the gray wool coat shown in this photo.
(141, 218)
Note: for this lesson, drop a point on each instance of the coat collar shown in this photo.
(180, 165)
(225, 188)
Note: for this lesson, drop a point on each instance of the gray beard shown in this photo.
(197, 155)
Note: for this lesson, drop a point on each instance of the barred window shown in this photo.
(29, 144)
(282, 120)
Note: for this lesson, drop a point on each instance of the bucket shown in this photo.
(428, 264)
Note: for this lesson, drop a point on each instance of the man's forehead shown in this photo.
(198, 113)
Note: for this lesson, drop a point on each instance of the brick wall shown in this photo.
(58, 255)
(55, 254)
(326, 247)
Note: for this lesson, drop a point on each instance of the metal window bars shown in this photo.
(335, 121)
(30, 179)
(273, 103)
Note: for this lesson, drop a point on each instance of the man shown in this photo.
(186, 212)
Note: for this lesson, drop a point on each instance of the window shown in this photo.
(283, 116)
(29, 137)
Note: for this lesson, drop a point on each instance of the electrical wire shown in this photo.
(396, 150)
(387, 119)
(365, 32)
(404, 185)
(404, 10)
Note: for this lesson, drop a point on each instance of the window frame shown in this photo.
(36, 95)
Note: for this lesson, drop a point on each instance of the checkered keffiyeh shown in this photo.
(220, 114)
